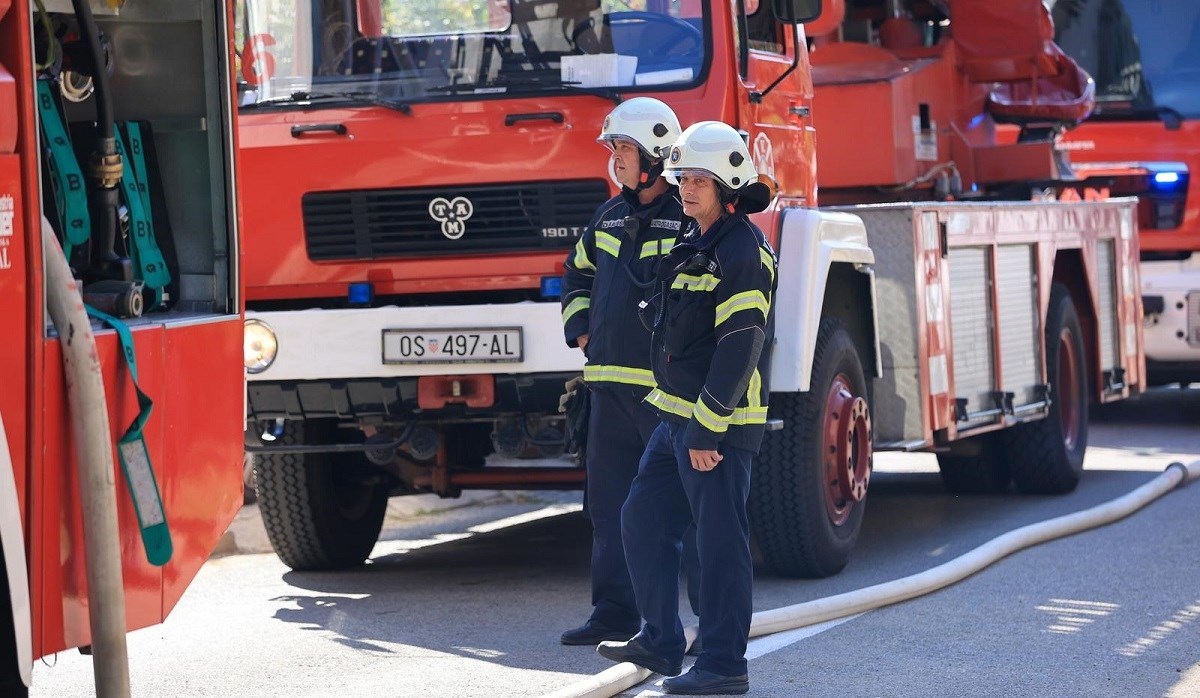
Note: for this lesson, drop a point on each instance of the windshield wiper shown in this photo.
(355, 97)
(1171, 117)
(608, 93)
(461, 87)
(507, 85)
(521, 81)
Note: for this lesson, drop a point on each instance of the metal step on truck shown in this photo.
(402, 278)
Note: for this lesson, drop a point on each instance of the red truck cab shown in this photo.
(1144, 140)
(413, 185)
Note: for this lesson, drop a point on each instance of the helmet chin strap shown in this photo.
(648, 171)
(727, 198)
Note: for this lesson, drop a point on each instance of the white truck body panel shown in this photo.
(1174, 334)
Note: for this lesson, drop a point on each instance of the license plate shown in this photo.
(453, 346)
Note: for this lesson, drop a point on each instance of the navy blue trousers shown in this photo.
(666, 497)
(619, 426)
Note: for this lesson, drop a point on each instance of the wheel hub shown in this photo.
(847, 448)
(1068, 390)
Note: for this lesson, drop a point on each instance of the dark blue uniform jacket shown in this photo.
(715, 328)
(610, 271)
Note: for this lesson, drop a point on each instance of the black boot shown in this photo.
(698, 682)
(593, 633)
(636, 652)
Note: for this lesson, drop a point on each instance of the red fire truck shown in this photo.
(117, 148)
(1143, 140)
(413, 183)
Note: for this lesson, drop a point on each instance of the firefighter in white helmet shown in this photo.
(610, 271)
(713, 327)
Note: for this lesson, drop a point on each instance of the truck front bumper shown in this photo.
(331, 363)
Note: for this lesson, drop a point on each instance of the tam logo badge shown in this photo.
(452, 214)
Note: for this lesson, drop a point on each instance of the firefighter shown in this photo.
(713, 326)
(610, 271)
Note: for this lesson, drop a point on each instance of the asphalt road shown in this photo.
(469, 602)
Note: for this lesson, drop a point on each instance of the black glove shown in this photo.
(575, 404)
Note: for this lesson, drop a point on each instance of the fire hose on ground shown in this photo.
(624, 676)
(97, 478)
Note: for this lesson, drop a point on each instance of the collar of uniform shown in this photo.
(636, 205)
(630, 197)
(645, 213)
(712, 235)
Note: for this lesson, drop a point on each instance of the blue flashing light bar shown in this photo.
(551, 287)
(360, 293)
(1169, 178)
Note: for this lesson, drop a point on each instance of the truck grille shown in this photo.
(378, 223)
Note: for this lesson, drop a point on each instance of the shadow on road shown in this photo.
(1164, 419)
(504, 596)
(1179, 406)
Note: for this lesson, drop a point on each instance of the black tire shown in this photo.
(1047, 455)
(799, 529)
(11, 684)
(986, 472)
(321, 511)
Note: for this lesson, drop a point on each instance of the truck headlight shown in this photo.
(259, 346)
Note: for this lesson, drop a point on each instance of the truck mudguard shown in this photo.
(810, 241)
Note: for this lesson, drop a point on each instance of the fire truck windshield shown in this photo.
(399, 52)
(1143, 54)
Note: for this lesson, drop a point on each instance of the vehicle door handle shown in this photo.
(556, 117)
(799, 110)
(301, 129)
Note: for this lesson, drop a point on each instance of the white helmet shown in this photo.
(712, 149)
(645, 121)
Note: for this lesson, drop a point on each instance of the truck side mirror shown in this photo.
(796, 11)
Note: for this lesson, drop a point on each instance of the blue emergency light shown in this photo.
(1168, 178)
(551, 287)
(360, 293)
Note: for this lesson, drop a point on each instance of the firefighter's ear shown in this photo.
(757, 195)
(769, 183)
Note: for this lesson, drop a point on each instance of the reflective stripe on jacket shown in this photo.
(601, 292)
(716, 326)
